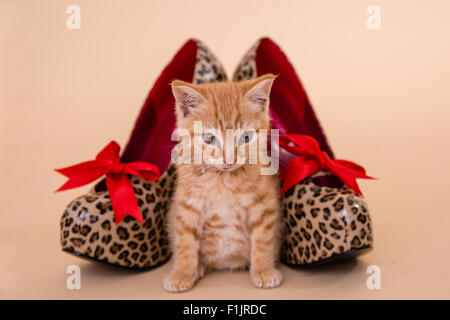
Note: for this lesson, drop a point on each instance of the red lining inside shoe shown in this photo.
(290, 108)
(289, 104)
(150, 140)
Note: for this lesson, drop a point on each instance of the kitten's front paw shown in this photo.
(266, 279)
(178, 282)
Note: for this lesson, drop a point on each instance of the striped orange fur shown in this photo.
(224, 216)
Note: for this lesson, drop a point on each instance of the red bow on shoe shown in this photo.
(120, 190)
(311, 159)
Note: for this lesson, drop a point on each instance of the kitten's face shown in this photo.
(224, 121)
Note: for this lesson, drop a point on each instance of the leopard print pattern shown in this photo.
(246, 69)
(321, 222)
(207, 67)
(88, 226)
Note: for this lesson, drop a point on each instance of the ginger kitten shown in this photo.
(225, 213)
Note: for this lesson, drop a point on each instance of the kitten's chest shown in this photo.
(227, 207)
(225, 237)
(224, 218)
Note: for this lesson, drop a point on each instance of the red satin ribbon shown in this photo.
(311, 159)
(121, 192)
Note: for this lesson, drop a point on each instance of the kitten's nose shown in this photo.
(229, 159)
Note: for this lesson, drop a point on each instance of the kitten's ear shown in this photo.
(187, 98)
(259, 93)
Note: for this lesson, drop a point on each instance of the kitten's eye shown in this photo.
(246, 137)
(209, 138)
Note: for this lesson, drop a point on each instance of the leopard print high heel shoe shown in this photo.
(323, 221)
(88, 227)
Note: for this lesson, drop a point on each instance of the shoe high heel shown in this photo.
(88, 227)
(322, 220)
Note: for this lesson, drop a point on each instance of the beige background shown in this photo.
(381, 95)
